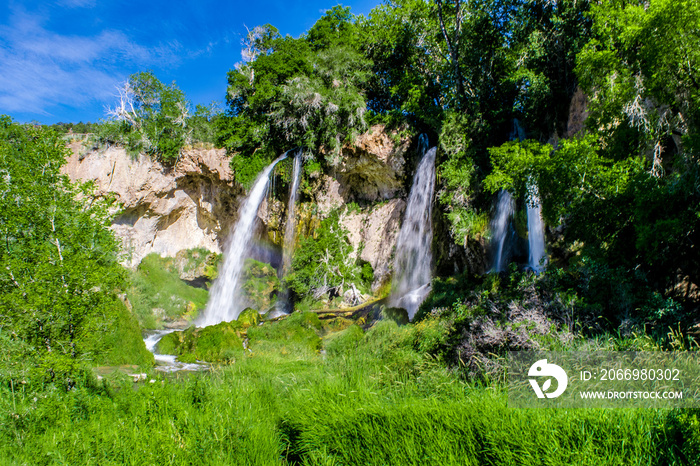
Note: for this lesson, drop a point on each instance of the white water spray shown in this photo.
(224, 300)
(290, 226)
(412, 265)
(167, 362)
(535, 231)
(500, 231)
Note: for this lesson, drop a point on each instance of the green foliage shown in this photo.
(203, 123)
(343, 342)
(74, 128)
(367, 273)
(60, 275)
(247, 169)
(459, 183)
(632, 69)
(325, 108)
(260, 284)
(682, 428)
(546, 39)
(322, 264)
(155, 119)
(114, 338)
(304, 92)
(150, 117)
(296, 333)
(216, 343)
(370, 392)
(517, 164)
(405, 78)
(157, 293)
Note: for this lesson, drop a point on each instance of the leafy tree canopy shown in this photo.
(295, 92)
(59, 273)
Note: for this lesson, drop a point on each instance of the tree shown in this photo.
(150, 117)
(58, 259)
(642, 73)
(305, 92)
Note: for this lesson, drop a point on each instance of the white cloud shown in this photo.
(41, 68)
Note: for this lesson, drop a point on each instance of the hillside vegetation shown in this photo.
(594, 103)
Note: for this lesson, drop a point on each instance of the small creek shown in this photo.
(167, 362)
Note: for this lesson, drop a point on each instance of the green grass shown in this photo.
(374, 397)
(114, 337)
(156, 285)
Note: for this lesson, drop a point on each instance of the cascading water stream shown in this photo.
(535, 228)
(284, 304)
(412, 264)
(501, 231)
(290, 226)
(224, 302)
(168, 362)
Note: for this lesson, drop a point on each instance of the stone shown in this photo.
(167, 210)
(374, 232)
(372, 168)
(163, 209)
(578, 112)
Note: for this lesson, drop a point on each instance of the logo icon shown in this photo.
(542, 369)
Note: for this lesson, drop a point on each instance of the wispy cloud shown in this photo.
(78, 3)
(42, 68)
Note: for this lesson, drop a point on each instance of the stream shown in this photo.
(167, 362)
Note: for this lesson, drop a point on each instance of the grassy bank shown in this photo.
(374, 397)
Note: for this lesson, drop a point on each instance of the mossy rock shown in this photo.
(248, 318)
(260, 284)
(169, 343)
(217, 342)
(212, 344)
(299, 328)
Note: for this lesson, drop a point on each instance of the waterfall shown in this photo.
(284, 304)
(290, 226)
(224, 301)
(517, 133)
(535, 229)
(423, 143)
(501, 231)
(413, 258)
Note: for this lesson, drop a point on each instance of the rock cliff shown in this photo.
(194, 204)
(163, 209)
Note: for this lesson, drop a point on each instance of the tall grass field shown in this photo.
(368, 397)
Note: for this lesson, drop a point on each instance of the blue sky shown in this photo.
(63, 60)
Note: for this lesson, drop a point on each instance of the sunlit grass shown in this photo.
(368, 398)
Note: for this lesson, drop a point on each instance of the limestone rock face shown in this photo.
(330, 194)
(578, 112)
(373, 233)
(163, 209)
(372, 169)
(194, 204)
